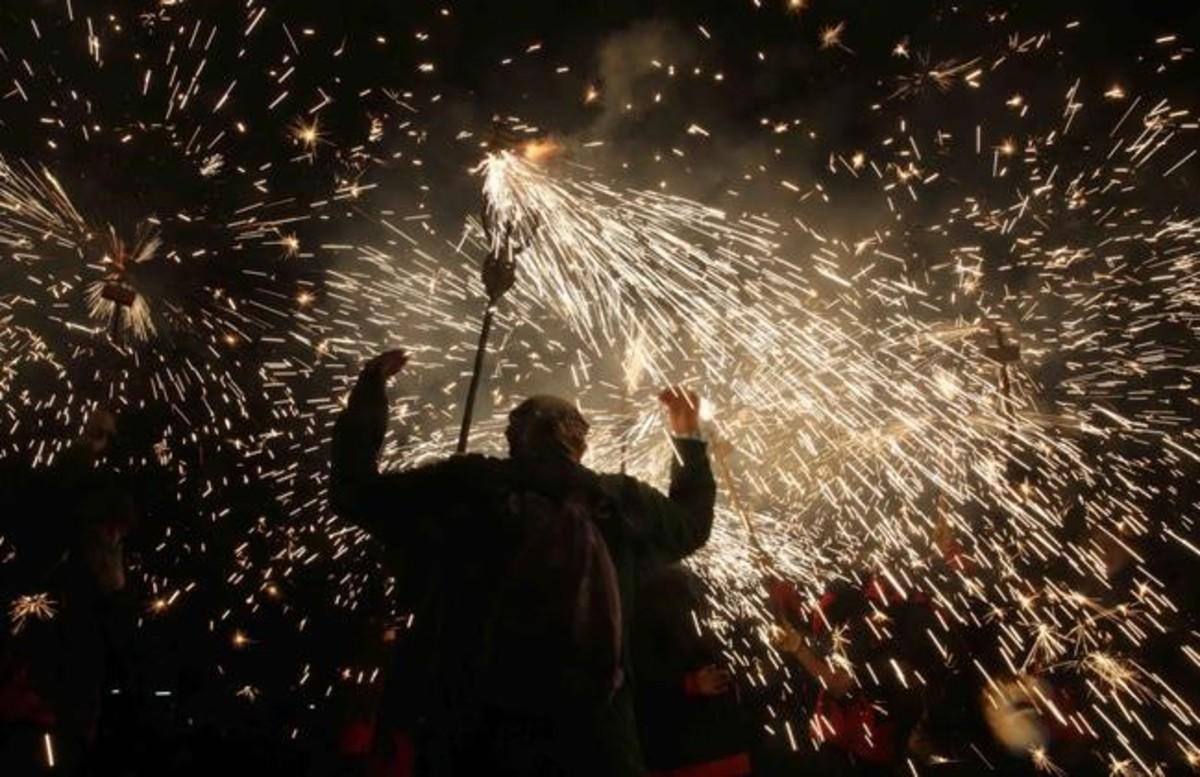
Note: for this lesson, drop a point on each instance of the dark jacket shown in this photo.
(65, 552)
(442, 520)
(681, 728)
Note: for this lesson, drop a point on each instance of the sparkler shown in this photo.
(39, 606)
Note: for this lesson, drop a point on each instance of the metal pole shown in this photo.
(628, 427)
(1006, 354)
(721, 454)
(464, 433)
(498, 277)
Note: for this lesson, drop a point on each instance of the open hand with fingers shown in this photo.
(683, 409)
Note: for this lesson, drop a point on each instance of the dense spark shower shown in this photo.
(978, 389)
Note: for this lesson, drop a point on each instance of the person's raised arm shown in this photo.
(828, 673)
(388, 505)
(678, 524)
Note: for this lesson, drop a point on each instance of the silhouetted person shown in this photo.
(687, 709)
(864, 719)
(75, 519)
(520, 641)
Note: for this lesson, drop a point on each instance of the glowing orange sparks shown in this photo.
(541, 150)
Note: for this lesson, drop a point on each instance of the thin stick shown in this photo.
(464, 432)
(721, 452)
(628, 427)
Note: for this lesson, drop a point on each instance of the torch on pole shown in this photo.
(1004, 354)
(499, 273)
(122, 295)
(117, 289)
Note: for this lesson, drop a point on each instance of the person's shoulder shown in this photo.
(468, 469)
(610, 479)
(474, 463)
(476, 459)
(618, 485)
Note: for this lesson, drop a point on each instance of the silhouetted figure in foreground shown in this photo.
(688, 710)
(73, 519)
(518, 661)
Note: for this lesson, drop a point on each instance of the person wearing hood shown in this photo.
(470, 538)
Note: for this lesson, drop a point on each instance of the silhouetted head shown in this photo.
(544, 426)
(100, 428)
(110, 514)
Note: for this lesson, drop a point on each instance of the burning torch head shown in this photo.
(509, 225)
(118, 292)
(499, 274)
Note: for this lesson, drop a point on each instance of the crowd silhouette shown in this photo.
(551, 629)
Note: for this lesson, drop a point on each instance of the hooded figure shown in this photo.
(457, 530)
(546, 427)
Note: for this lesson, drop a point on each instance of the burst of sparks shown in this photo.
(308, 135)
(40, 607)
(831, 36)
(1042, 762)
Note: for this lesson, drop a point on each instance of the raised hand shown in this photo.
(389, 362)
(683, 409)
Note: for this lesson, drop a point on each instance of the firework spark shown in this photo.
(38, 607)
